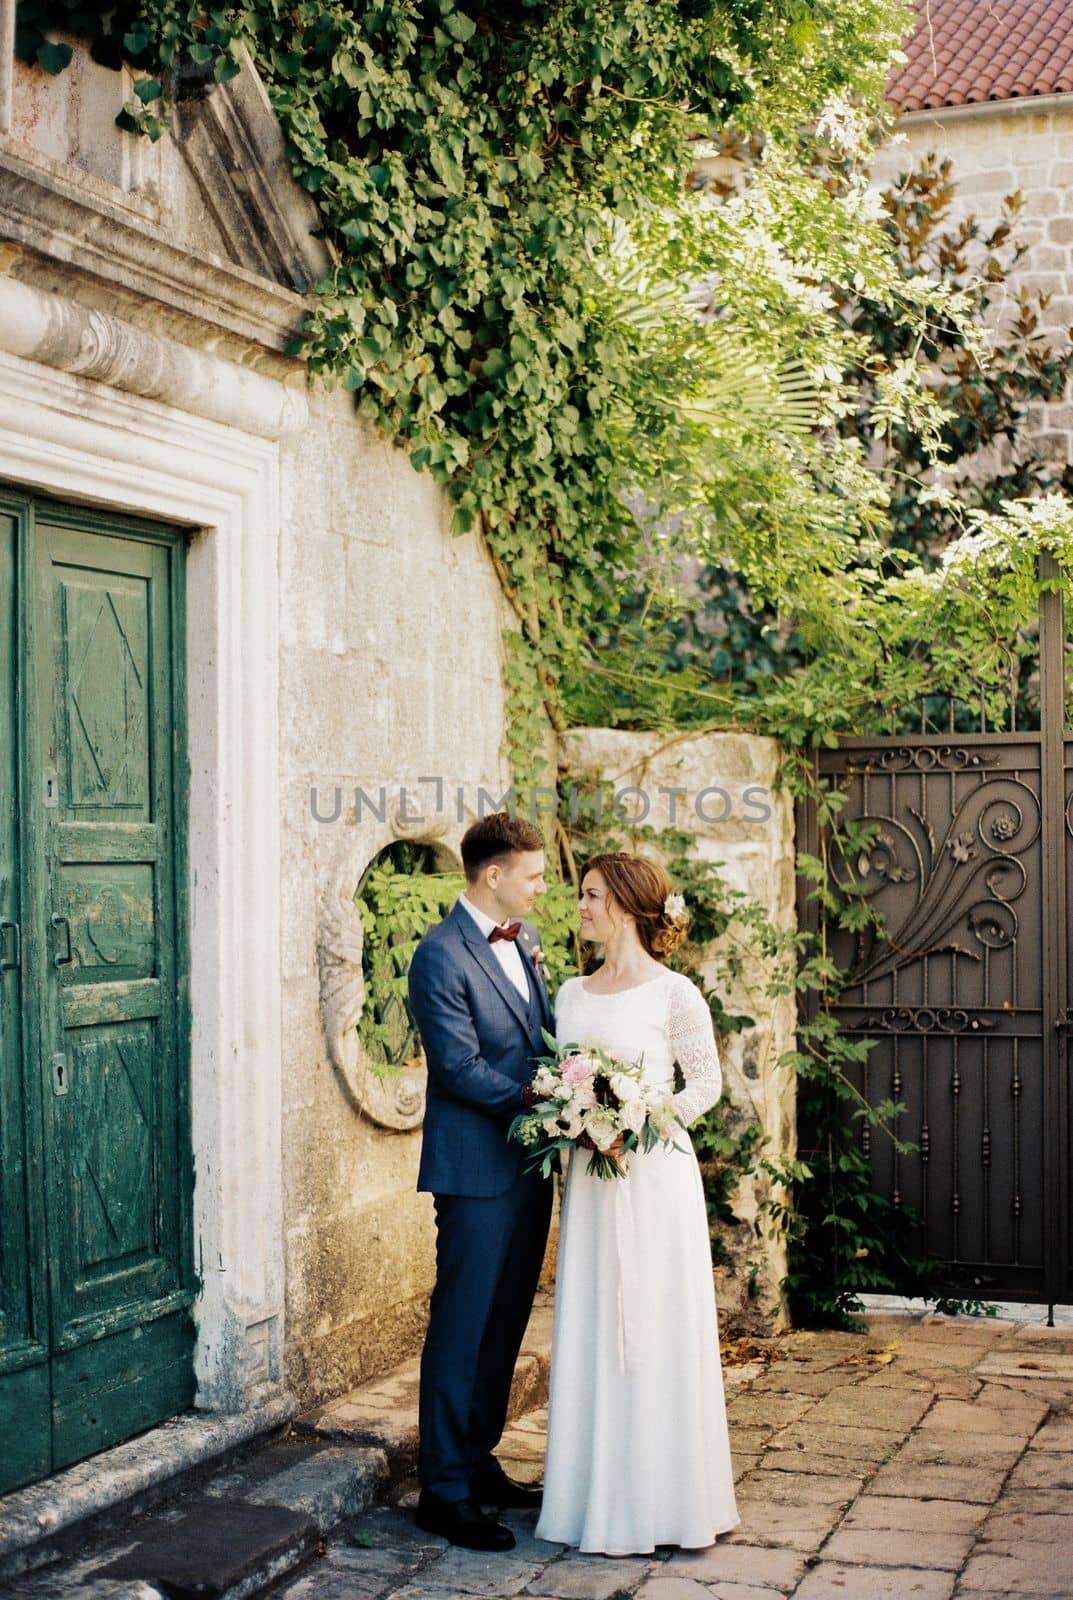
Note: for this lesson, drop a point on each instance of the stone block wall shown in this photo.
(390, 672)
(755, 854)
(998, 150)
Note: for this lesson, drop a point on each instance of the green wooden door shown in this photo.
(25, 1392)
(103, 975)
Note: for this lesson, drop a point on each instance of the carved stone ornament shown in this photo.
(397, 1100)
(58, 333)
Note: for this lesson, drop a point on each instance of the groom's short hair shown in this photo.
(496, 836)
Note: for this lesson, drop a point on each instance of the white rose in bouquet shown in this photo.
(663, 1117)
(602, 1127)
(570, 1124)
(582, 1097)
(633, 1114)
(626, 1088)
(546, 1084)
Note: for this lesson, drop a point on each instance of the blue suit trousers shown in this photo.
(489, 1251)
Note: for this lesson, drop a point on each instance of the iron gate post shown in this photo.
(1055, 935)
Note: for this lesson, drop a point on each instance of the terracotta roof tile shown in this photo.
(966, 51)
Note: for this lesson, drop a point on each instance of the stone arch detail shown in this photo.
(397, 1102)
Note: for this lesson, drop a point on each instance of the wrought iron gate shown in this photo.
(968, 988)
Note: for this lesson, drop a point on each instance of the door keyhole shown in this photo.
(60, 1075)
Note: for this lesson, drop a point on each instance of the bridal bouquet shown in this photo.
(589, 1100)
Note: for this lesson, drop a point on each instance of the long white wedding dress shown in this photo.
(638, 1453)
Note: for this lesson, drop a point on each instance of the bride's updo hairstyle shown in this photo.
(643, 890)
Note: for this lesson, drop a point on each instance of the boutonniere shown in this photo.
(536, 955)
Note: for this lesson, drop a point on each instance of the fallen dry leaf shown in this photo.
(872, 1358)
(740, 1352)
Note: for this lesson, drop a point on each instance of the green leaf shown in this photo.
(54, 57)
(352, 72)
(446, 169)
(460, 27)
(148, 90)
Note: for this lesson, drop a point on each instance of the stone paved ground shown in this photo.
(928, 1459)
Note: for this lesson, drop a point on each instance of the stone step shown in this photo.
(201, 1549)
(56, 1517)
(237, 1535)
(323, 1482)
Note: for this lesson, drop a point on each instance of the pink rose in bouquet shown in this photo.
(578, 1069)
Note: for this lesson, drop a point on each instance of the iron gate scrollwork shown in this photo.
(966, 986)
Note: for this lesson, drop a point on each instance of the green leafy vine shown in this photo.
(475, 167)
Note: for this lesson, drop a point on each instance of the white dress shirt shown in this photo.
(505, 951)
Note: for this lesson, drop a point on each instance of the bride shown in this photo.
(638, 1453)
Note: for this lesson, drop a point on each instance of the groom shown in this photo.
(480, 1002)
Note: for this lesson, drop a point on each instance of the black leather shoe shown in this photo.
(461, 1522)
(490, 1486)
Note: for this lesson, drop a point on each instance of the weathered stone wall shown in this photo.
(755, 853)
(997, 150)
(390, 673)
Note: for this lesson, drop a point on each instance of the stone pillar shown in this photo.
(720, 788)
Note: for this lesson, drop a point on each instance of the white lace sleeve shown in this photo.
(692, 1041)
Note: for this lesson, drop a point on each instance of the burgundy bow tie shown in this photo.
(511, 932)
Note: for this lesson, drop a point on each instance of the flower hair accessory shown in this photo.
(674, 907)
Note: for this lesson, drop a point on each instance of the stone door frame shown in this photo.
(88, 442)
